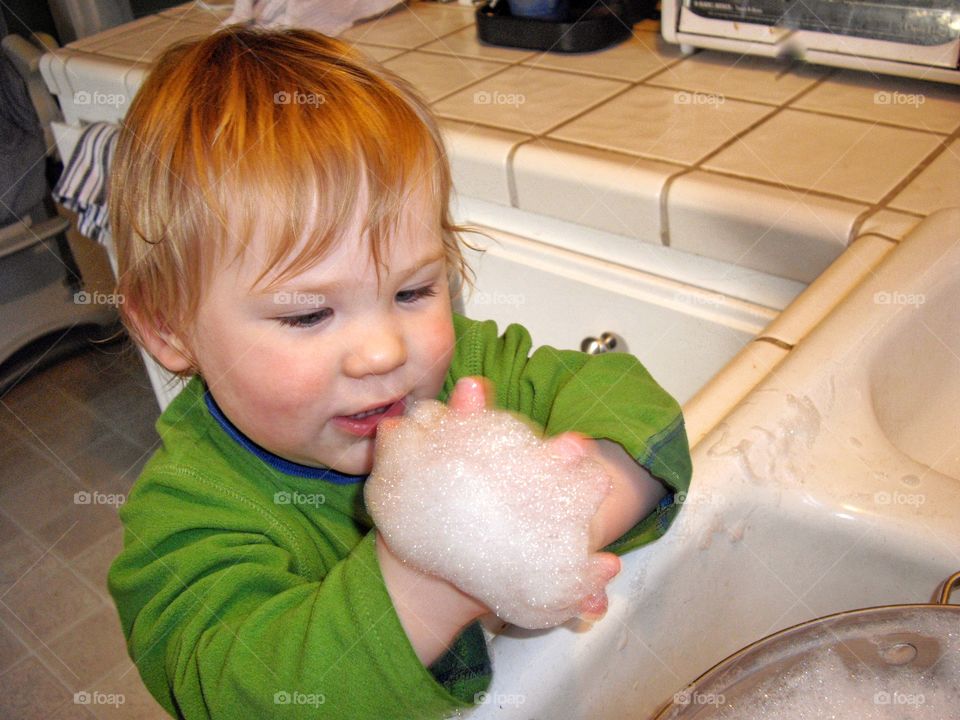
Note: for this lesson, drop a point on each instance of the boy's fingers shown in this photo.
(471, 394)
(605, 567)
(594, 607)
(570, 445)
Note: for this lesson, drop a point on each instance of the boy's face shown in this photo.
(292, 367)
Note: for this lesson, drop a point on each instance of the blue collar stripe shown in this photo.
(275, 461)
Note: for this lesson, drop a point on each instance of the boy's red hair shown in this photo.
(275, 132)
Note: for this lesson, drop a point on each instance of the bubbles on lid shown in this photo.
(903, 667)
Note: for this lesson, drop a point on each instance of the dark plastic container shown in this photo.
(588, 25)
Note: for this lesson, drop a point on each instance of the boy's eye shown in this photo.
(411, 296)
(306, 320)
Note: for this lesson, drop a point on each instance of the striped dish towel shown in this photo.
(83, 185)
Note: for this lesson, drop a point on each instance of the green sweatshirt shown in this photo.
(248, 586)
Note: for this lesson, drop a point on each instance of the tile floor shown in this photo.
(73, 438)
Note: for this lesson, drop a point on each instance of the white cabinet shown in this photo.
(683, 334)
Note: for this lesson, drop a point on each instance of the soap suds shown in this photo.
(480, 500)
(822, 685)
(772, 455)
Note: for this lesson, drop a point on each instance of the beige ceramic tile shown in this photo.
(72, 711)
(889, 224)
(597, 188)
(20, 458)
(672, 125)
(110, 460)
(377, 52)
(464, 43)
(31, 692)
(704, 411)
(47, 600)
(783, 232)
(410, 26)
(81, 525)
(438, 75)
(11, 649)
(47, 479)
(138, 703)
(746, 77)
(849, 158)
(105, 37)
(147, 43)
(206, 13)
(937, 186)
(527, 100)
(899, 101)
(479, 157)
(88, 651)
(18, 556)
(642, 54)
(805, 313)
(94, 564)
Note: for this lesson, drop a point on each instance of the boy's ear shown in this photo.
(163, 344)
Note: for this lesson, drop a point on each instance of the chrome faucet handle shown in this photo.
(607, 342)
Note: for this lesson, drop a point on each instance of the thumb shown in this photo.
(471, 394)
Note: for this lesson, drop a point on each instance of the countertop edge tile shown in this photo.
(601, 189)
(106, 103)
(727, 388)
(890, 224)
(479, 157)
(826, 292)
(784, 232)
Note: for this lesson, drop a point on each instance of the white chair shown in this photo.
(45, 313)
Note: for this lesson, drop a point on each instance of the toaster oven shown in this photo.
(912, 38)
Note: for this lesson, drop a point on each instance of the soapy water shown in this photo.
(824, 686)
(480, 500)
(775, 456)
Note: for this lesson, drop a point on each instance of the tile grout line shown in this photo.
(67, 563)
(883, 202)
(698, 165)
(544, 135)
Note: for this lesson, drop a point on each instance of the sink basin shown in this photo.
(924, 348)
(834, 485)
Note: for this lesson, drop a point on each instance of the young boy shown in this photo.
(279, 206)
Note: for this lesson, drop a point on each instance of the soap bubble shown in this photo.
(480, 500)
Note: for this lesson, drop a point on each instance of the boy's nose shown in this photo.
(378, 350)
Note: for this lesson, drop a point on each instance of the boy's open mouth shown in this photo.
(364, 423)
(367, 413)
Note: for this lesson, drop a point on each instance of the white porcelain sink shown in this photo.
(834, 485)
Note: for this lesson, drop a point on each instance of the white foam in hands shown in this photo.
(480, 500)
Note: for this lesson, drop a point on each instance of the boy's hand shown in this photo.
(471, 394)
(634, 495)
(573, 446)
(476, 393)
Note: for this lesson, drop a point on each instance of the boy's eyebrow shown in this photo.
(422, 263)
(336, 284)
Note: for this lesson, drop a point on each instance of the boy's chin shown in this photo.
(358, 461)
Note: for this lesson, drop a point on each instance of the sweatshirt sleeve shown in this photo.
(228, 612)
(610, 396)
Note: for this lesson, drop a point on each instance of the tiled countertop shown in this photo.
(743, 159)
